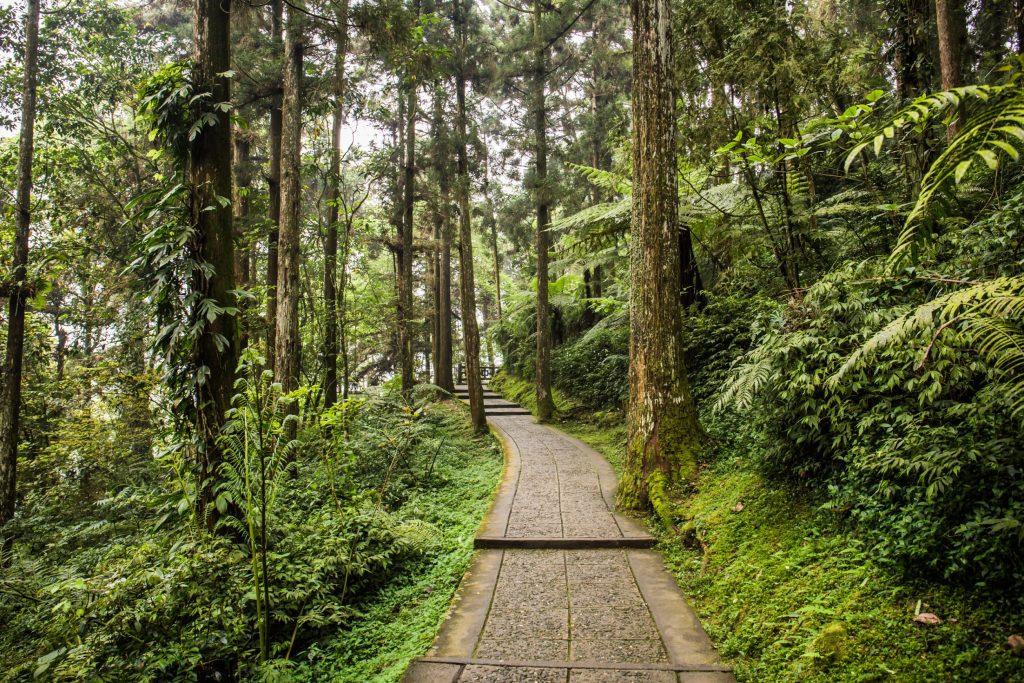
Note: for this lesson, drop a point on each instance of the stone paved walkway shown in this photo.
(564, 589)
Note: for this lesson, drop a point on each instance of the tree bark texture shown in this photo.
(470, 332)
(210, 180)
(286, 348)
(663, 438)
(10, 411)
(545, 402)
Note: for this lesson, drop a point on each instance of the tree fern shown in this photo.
(992, 133)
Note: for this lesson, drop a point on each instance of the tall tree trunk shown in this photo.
(333, 200)
(274, 187)
(405, 253)
(210, 179)
(663, 436)
(442, 148)
(947, 14)
(470, 333)
(286, 349)
(14, 354)
(545, 403)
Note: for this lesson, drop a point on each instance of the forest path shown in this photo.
(564, 589)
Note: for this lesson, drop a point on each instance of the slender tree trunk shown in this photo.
(274, 187)
(663, 436)
(443, 359)
(210, 179)
(343, 307)
(545, 403)
(492, 220)
(470, 333)
(333, 211)
(406, 252)
(286, 349)
(240, 201)
(10, 411)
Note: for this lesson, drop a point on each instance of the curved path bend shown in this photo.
(564, 589)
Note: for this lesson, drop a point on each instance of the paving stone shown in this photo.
(645, 651)
(621, 676)
(523, 649)
(510, 595)
(511, 674)
(601, 573)
(528, 622)
(612, 623)
(607, 594)
(529, 530)
(605, 557)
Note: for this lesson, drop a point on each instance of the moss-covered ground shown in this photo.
(787, 595)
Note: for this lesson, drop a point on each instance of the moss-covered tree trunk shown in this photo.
(210, 181)
(545, 403)
(663, 433)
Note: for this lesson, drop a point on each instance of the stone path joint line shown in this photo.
(564, 589)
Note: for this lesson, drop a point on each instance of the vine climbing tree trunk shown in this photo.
(470, 332)
(286, 348)
(210, 182)
(663, 436)
(10, 411)
(333, 211)
(545, 403)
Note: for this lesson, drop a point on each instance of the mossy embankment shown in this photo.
(788, 594)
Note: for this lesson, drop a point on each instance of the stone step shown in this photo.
(563, 543)
(458, 669)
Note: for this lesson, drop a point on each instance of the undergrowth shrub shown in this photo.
(128, 586)
(917, 448)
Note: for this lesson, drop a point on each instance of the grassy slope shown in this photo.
(769, 580)
(399, 622)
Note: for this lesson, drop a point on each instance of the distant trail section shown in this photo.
(563, 588)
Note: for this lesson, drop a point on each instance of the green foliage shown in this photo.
(121, 579)
(593, 368)
(787, 595)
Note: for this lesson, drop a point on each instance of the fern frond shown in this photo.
(987, 317)
(605, 180)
